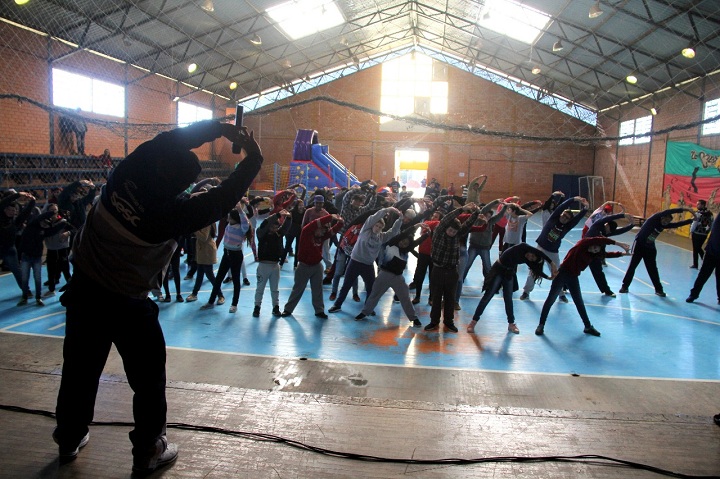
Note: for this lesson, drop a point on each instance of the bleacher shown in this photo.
(38, 174)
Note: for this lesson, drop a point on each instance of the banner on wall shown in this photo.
(692, 173)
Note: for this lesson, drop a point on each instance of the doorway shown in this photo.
(411, 166)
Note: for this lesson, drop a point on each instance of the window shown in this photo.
(514, 20)
(189, 113)
(74, 91)
(639, 130)
(300, 18)
(712, 109)
(413, 84)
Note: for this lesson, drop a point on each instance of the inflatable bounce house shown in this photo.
(313, 166)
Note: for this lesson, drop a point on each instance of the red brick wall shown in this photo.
(515, 166)
(634, 174)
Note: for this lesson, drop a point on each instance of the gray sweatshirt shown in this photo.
(369, 244)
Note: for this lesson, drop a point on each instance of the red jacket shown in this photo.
(578, 258)
(310, 246)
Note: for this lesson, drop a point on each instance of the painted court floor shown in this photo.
(643, 336)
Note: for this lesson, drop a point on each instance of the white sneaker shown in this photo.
(233, 309)
(191, 298)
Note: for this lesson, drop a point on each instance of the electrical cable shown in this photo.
(141, 130)
(588, 459)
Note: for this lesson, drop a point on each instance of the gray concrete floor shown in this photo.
(408, 413)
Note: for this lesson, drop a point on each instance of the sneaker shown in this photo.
(221, 300)
(360, 317)
(690, 299)
(609, 293)
(512, 328)
(451, 326)
(228, 279)
(48, 294)
(39, 302)
(356, 298)
(188, 277)
(179, 298)
(164, 454)
(396, 299)
(191, 298)
(256, 312)
(693, 266)
(416, 323)
(457, 307)
(67, 454)
(321, 315)
(416, 300)
(524, 296)
(233, 309)
(471, 326)
(246, 282)
(660, 293)
(22, 302)
(207, 306)
(333, 296)
(291, 254)
(591, 330)
(286, 313)
(325, 281)
(563, 298)
(411, 285)
(623, 290)
(540, 330)
(167, 299)
(432, 326)
(276, 311)
(63, 288)
(334, 309)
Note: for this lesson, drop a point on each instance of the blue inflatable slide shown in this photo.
(314, 166)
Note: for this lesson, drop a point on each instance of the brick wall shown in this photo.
(634, 173)
(515, 166)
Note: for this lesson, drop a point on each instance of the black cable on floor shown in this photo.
(588, 459)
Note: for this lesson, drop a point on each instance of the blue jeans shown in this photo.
(506, 281)
(34, 263)
(473, 253)
(341, 262)
(572, 283)
(10, 260)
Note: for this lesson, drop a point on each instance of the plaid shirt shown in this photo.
(445, 248)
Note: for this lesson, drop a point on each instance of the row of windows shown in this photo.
(74, 91)
(409, 85)
(637, 131)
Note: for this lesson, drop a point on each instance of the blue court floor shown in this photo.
(642, 335)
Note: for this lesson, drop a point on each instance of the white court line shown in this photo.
(32, 320)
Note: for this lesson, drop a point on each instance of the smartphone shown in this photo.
(236, 147)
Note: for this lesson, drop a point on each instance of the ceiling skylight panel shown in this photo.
(514, 20)
(300, 18)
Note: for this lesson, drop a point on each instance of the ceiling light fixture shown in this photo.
(688, 52)
(557, 46)
(21, 2)
(536, 70)
(256, 40)
(233, 85)
(192, 68)
(595, 10)
(208, 6)
(653, 111)
(631, 79)
(176, 98)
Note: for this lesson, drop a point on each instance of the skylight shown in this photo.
(300, 18)
(514, 20)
